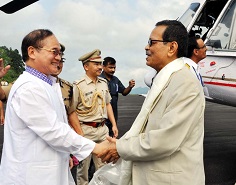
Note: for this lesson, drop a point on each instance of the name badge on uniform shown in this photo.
(88, 93)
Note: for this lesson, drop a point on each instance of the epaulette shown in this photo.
(76, 82)
(103, 79)
(65, 82)
(187, 65)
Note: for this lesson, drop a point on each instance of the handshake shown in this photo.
(107, 151)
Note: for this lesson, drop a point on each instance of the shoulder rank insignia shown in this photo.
(102, 79)
(62, 81)
(76, 82)
(187, 65)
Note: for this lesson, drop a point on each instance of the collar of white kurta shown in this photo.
(158, 85)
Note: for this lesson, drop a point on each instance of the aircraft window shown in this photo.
(207, 18)
(186, 18)
(232, 44)
(224, 35)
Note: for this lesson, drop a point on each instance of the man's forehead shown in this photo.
(111, 65)
(95, 62)
(158, 30)
(199, 41)
(51, 42)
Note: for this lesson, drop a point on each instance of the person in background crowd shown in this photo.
(196, 52)
(65, 90)
(115, 87)
(3, 72)
(1, 113)
(92, 102)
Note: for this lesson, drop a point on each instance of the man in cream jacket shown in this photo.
(166, 139)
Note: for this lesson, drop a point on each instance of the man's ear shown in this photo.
(31, 52)
(195, 52)
(86, 66)
(173, 48)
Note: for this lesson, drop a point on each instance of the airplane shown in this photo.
(15, 5)
(215, 22)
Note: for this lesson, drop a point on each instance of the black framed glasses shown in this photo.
(151, 42)
(204, 46)
(54, 51)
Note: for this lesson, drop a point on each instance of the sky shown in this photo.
(119, 28)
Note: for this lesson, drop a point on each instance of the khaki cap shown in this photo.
(93, 56)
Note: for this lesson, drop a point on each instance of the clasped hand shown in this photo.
(107, 150)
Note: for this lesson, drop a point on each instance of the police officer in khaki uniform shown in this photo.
(92, 101)
(6, 89)
(3, 72)
(67, 96)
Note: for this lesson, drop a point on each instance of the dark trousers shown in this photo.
(73, 172)
(109, 125)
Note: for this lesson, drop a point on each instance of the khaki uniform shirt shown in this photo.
(67, 95)
(6, 89)
(86, 90)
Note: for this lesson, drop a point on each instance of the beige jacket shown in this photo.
(170, 150)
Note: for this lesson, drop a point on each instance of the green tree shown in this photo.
(13, 58)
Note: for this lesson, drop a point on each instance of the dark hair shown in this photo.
(63, 48)
(108, 60)
(175, 31)
(34, 39)
(192, 44)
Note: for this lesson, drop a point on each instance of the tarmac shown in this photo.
(219, 140)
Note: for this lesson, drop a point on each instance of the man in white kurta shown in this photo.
(37, 137)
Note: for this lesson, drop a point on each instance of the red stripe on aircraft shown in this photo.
(220, 84)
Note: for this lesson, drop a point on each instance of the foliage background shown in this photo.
(13, 58)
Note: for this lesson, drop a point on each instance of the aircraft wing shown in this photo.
(144, 95)
(16, 5)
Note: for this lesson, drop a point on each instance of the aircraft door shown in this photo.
(205, 18)
(232, 44)
(221, 46)
(218, 68)
(223, 37)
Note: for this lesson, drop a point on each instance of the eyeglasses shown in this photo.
(54, 51)
(204, 46)
(151, 42)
